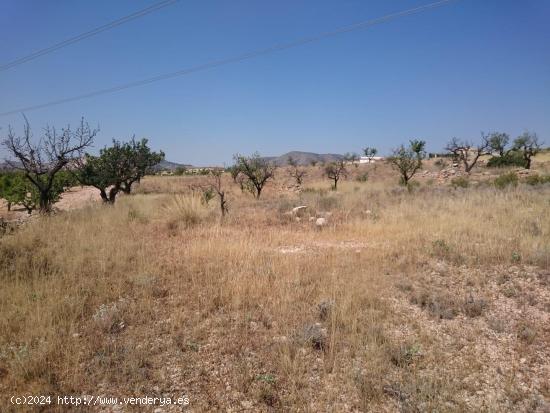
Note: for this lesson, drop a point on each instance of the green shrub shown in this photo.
(460, 182)
(506, 180)
(509, 159)
(537, 179)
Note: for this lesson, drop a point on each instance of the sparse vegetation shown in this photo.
(285, 315)
(506, 180)
(460, 182)
(296, 172)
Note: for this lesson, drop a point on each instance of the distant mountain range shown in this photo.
(170, 166)
(303, 158)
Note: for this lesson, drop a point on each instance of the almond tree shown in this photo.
(295, 171)
(370, 153)
(408, 160)
(117, 167)
(528, 145)
(255, 172)
(498, 142)
(140, 159)
(214, 186)
(467, 153)
(336, 170)
(41, 161)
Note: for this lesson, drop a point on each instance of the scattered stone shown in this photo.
(280, 339)
(109, 317)
(314, 335)
(297, 209)
(325, 308)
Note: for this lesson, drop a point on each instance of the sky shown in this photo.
(457, 70)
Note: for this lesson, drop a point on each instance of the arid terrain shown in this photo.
(433, 299)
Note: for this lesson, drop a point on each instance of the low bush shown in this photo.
(509, 159)
(364, 177)
(503, 181)
(186, 210)
(537, 179)
(460, 182)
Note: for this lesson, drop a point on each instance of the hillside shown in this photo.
(304, 158)
(170, 166)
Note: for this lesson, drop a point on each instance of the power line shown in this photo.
(90, 33)
(235, 59)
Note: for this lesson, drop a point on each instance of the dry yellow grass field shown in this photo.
(432, 300)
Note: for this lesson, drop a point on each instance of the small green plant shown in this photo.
(503, 181)
(404, 354)
(460, 182)
(440, 248)
(364, 177)
(207, 195)
(267, 378)
(516, 257)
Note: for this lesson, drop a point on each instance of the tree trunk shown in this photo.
(9, 206)
(112, 194)
(44, 205)
(103, 195)
(527, 162)
(108, 198)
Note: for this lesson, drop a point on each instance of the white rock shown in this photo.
(297, 209)
(320, 222)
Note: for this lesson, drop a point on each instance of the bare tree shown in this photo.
(528, 144)
(217, 186)
(295, 171)
(336, 170)
(465, 152)
(255, 171)
(41, 161)
(408, 160)
(211, 188)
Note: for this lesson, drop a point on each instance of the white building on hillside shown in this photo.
(364, 159)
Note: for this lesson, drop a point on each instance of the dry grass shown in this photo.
(435, 300)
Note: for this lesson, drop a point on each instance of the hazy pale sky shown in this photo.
(465, 67)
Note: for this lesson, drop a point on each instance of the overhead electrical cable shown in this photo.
(235, 59)
(85, 35)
